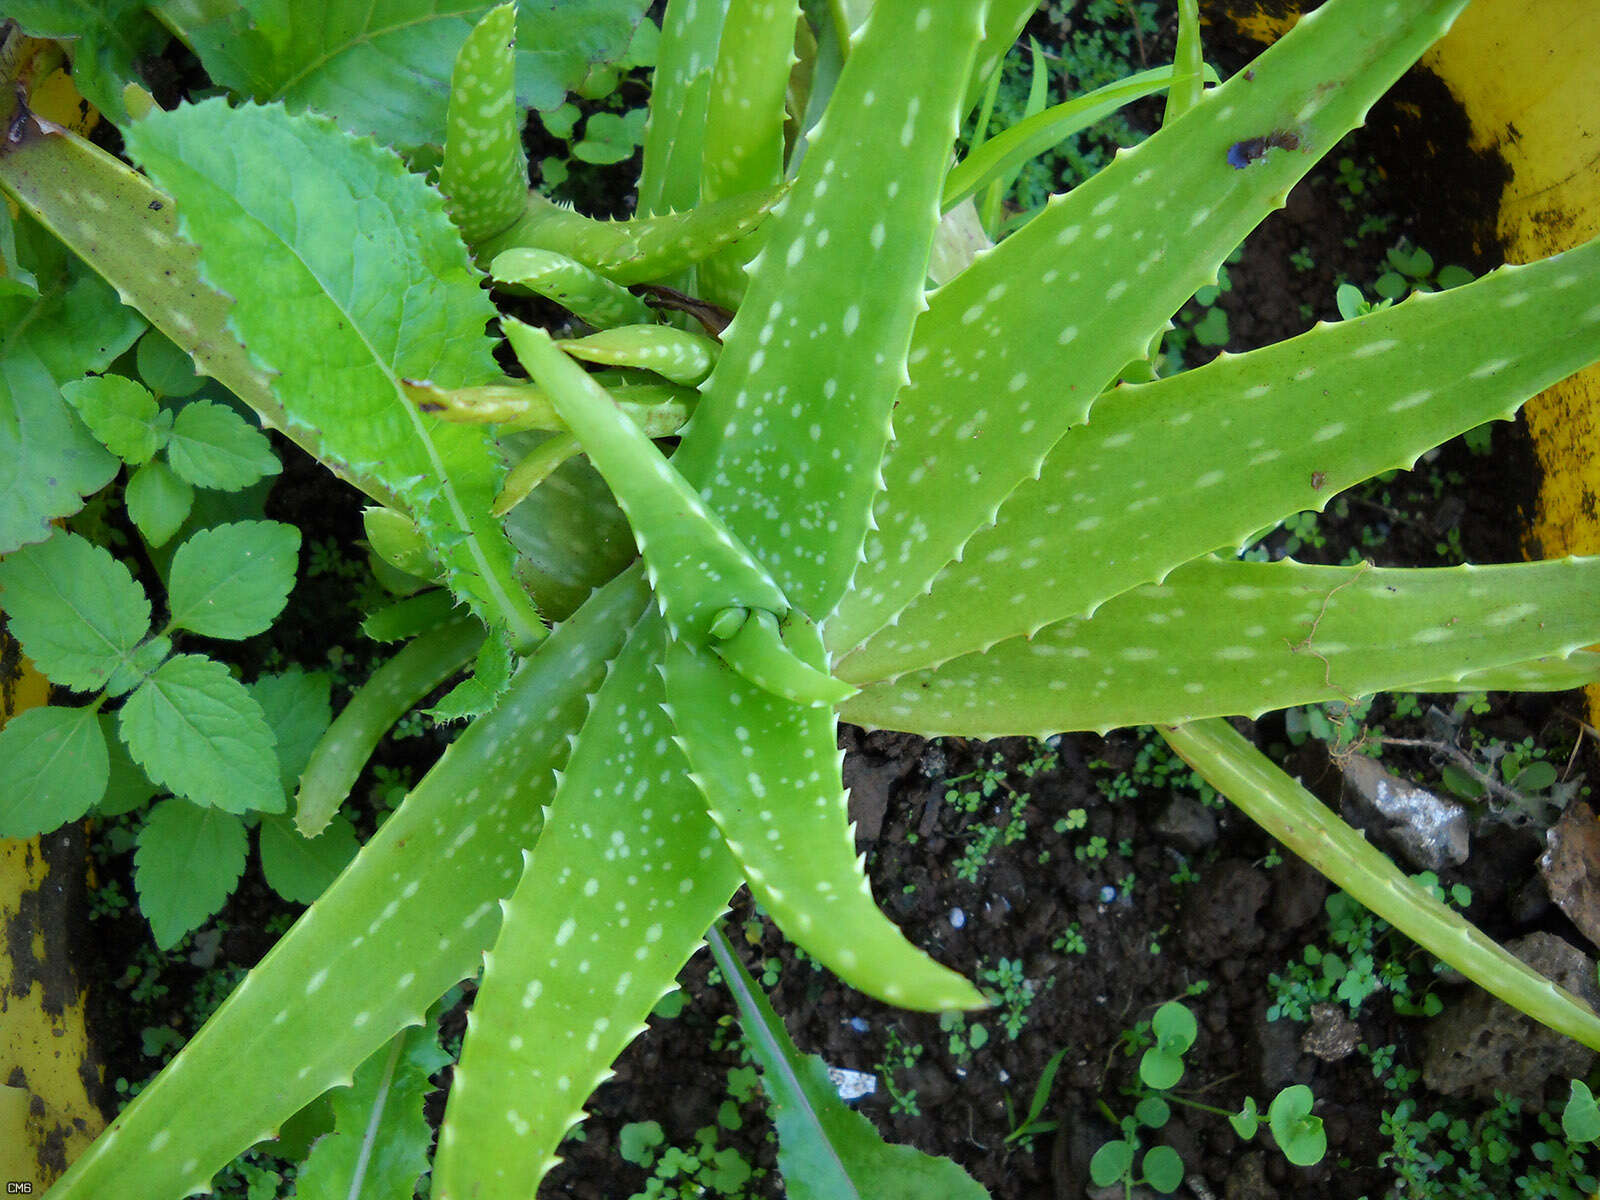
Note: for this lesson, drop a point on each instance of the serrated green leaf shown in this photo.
(159, 501)
(381, 1136)
(196, 730)
(76, 610)
(121, 413)
(165, 369)
(106, 39)
(298, 709)
(475, 695)
(826, 1150)
(138, 666)
(212, 446)
(232, 581)
(56, 769)
(382, 290)
(299, 868)
(409, 617)
(187, 864)
(129, 787)
(385, 68)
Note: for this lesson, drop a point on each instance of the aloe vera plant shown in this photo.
(935, 510)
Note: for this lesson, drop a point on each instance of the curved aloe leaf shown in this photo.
(1301, 822)
(627, 875)
(1221, 637)
(680, 94)
(794, 419)
(1165, 472)
(770, 773)
(394, 690)
(1015, 349)
(484, 176)
(408, 918)
(274, 202)
(675, 354)
(659, 409)
(586, 294)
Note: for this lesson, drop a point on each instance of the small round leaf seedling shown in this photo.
(1111, 1163)
(1163, 1169)
(1247, 1120)
(1175, 1030)
(1299, 1134)
(1580, 1120)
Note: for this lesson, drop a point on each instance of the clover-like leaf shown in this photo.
(56, 769)
(76, 610)
(212, 446)
(196, 730)
(231, 581)
(121, 413)
(188, 861)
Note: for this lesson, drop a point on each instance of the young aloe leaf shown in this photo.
(1168, 471)
(402, 302)
(384, 69)
(799, 404)
(57, 769)
(534, 468)
(1301, 822)
(1219, 637)
(1032, 137)
(675, 354)
(826, 1150)
(394, 690)
(586, 294)
(627, 875)
(660, 409)
(189, 860)
(638, 250)
(484, 175)
(770, 773)
(407, 919)
(1015, 349)
(680, 94)
(696, 568)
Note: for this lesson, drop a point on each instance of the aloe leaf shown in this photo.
(1015, 349)
(384, 69)
(586, 294)
(1189, 72)
(350, 278)
(485, 170)
(393, 690)
(408, 918)
(770, 771)
(1165, 472)
(1301, 822)
(1221, 637)
(826, 1150)
(697, 569)
(675, 354)
(617, 894)
(636, 250)
(660, 409)
(1032, 137)
(798, 406)
(1578, 669)
(680, 94)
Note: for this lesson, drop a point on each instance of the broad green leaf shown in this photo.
(121, 413)
(129, 787)
(1016, 348)
(770, 771)
(232, 581)
(1165, 472)
(393, 690)
(793, 422)
(188, 861)
(826, 1150)
(380, 1140)
(106, 39)
(165, 369)
(626, 847)
(297, 707)
(56, 769)
(76, 610)
(212, 446)
(196, 730)
(159, 501)
(384, 68)
(1301, 822)
(1217, 638)
(485, 172)
(139, 665)
(349, 277)
(409, 918)
(299, 868)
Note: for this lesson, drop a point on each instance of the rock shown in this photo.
(1248, 1179)
(1482, 1045)
(1430, 831)
(1221, 920)
(1186, 825)
(1331, 1035)
(1571, 868)
(868, 783)
(1298, 893)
